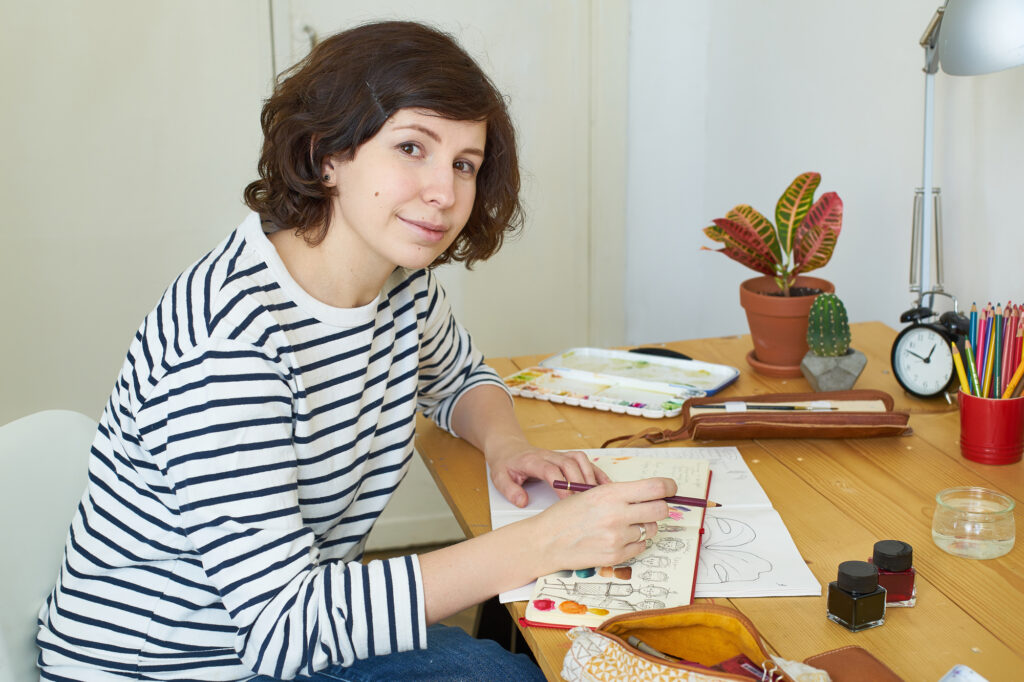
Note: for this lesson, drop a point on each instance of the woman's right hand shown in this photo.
(602, 526)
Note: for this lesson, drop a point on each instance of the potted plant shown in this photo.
(801, 240)
(830, 364)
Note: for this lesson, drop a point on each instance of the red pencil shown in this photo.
(1009, 326)
(675, 499)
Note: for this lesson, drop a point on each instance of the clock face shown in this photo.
(922, 361)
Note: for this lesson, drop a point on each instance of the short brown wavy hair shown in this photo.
(340, 96)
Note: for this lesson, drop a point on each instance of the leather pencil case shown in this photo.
(826, 414)
(853, 664)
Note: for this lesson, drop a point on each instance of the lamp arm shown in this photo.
(929, 41)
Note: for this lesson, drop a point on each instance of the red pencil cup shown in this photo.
(991, 430)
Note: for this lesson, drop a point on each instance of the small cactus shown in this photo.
(828, 329)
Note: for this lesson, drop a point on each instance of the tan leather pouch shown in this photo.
(853, 664)
(859, 414)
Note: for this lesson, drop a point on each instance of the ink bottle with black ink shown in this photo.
(856, 600)
(895, 562)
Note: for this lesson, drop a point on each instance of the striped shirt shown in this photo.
(252, 439)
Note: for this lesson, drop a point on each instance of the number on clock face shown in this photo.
(923, 361)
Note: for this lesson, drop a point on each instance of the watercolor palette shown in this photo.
(621, 382)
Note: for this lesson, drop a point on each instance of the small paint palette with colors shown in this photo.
(621, 382)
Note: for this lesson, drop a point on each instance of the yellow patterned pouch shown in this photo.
(700, 642)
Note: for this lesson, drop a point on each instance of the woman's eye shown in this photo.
(465, 167)
(410, 148)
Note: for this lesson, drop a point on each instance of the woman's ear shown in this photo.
(327, 174)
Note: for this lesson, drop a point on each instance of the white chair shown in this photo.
(43, 462)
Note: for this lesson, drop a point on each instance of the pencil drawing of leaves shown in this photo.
(720, 562)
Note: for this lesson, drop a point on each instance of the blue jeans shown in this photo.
(451, 654)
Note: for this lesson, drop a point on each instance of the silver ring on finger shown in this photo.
(643, 533)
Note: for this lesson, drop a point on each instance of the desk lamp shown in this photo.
(968, 38)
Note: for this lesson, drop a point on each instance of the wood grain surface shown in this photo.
(837, 497)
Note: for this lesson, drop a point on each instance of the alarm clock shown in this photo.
(922, 359)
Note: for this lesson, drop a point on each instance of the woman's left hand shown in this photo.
(512, 467)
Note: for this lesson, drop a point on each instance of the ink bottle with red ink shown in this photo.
(896, 573)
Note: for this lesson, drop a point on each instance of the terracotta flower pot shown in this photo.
(778, 324)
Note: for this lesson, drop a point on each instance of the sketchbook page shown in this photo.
(661, 576)
(539, 495)
(750, 553)
(732, 482)
(690, 475)
(732, 485)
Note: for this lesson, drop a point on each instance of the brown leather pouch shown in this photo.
(859, 414)
(852, 664)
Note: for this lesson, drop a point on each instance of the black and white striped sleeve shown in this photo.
(220, 428)
(450, 365)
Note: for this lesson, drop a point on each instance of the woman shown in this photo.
(265, 410)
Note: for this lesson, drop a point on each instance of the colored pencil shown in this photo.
(997, 352)
(975, 386)
(965, 385)
(972, 333)
(1009, 328)
(1018, 346)
(986, 382)
(674, 499)
(1014, 380)
(980, 344)
(748, 406)
(1013, 333)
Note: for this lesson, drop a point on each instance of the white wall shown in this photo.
(731, 99)
(129, 131)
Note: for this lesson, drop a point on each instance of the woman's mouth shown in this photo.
(426, 230)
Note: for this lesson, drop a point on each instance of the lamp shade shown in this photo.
(981, 36)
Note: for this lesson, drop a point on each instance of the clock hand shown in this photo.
(919, 357)
(929, 358)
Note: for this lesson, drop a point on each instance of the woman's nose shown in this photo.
(439, 188)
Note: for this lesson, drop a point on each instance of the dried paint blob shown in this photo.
(598, 612)
(572, 607)
(585, 572)
(620, 572)
(543, 604)
(674, 513)
(564, 574)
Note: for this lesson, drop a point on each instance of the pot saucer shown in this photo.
(781, 371)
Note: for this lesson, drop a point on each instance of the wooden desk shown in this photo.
(837, 497)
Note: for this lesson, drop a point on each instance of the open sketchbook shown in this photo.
(746, 550)
(659, 577)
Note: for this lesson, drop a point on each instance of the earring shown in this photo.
(327, 177)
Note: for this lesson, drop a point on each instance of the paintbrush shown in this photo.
(747, 406)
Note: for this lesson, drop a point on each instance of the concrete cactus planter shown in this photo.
(838, 373)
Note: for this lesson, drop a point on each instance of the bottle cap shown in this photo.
(893, 555)
(858, 577)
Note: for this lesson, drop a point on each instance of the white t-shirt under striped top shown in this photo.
(252, 439)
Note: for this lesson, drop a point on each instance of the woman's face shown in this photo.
(408, 191)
